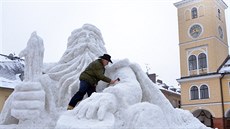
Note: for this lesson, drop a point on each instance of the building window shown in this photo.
(192, 62)
(221, 33)
(204, 94)
(219, 14)
(194, 13)
(202, 60)
(194, 93)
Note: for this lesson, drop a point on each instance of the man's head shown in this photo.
(106, 58)
(86, 43)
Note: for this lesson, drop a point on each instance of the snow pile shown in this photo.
(133, 103)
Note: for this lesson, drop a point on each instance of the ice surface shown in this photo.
(133, 103)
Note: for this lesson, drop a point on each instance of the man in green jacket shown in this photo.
(89, 78)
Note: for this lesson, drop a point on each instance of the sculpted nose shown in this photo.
(87, 39)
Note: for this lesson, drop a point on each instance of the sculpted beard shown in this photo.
(88, 49)
(73, 62)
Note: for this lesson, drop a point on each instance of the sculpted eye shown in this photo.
(93, 36)
(82, 35)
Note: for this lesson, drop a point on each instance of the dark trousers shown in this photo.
(85, 87)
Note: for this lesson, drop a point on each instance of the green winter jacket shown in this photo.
(94, 72)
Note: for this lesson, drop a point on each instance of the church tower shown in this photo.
(204, 50)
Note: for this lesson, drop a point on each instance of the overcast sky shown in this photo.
(144, 31)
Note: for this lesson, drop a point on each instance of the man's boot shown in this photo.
(70, 107)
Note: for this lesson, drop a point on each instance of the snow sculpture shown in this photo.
(33, 53)
(24, 108)
(133, 103)
(60, 80)
(27, 106)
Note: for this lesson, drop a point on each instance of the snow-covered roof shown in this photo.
(171, 89)
(11, 67)
(163, 86)
(226, 67)
(6, 83)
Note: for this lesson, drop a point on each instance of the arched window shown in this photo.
(204, 94)
(202, 60)
(194, 93)
(194, 13)
(219, 14)
(192, 62)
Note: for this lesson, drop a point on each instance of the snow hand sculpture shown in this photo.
(96, 106)
(29, 98)
(29, 101)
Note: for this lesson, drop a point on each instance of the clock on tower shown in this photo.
(195, 30)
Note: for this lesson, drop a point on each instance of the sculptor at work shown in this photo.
(90, 77)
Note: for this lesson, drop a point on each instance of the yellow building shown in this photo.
(4, 94)
(205, 86)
